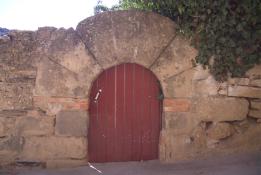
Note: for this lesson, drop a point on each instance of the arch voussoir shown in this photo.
(126, 36)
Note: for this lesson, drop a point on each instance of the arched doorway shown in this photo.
(125, 115)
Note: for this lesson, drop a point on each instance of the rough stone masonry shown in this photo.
(46, 75)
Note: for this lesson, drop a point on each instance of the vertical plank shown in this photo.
(120, 132)
(155, 104)
(147, 120)
(98, 122)
(137, 117)
(142, 118)
(129, 109)
(101, 101)
(111, 114)
(105, 116)
(133, 117)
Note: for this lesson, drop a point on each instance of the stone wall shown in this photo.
(32, 120)
(206, 118)
(46, 76)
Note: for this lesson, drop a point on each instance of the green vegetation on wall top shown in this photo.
(227, 33)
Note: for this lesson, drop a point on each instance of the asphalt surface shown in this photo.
(229, 165)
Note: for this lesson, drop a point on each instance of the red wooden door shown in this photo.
(125, 115)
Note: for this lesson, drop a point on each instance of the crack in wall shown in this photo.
(173, 76)
(90, 52)
(162, 51)
(62, 66)
(113, 34)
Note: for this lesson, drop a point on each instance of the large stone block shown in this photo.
(52, 41)
(176, 148)
(206, 87)
(71, 123)
(65, 59)
(247, 141)
(204, 84)
(244, 91)
(12, 142)
(180, 122)
(10, 148)
(256, 83)
(126, 36)
(55, 80)
(7, 156)
(221, 109)
(15, 96)
(256, 104)
(255, 113)
(80, 61)
(51, 148)
(179, 86)
(200, 73)
(2, 128)
(199, 137)
(16, 52)
(21, 76)
(175, 59)
(70, 77)
(254, 73)
(220, 131)
(34, 126)
(201, 83)
(6, 126)
(239, 81)
(2, 74)
(13, 113)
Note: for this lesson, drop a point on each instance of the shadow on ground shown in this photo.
(229, 165)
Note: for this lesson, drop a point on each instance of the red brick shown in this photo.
(66, 102)
(176, 105)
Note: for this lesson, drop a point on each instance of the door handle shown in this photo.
(97, 96)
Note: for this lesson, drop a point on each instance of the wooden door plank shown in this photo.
(138, 115)
(147, 127)
(111, 114)
(102, 122)
(120, 132)
(155, 104)
(129, 109)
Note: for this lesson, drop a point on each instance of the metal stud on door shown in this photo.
(125, 115)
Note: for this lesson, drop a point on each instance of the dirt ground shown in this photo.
(229, 165)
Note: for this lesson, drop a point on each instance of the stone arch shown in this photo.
(126, 36)
(106, 40)
(147, 39)
(139, 37)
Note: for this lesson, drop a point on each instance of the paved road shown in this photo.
(229, 165)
